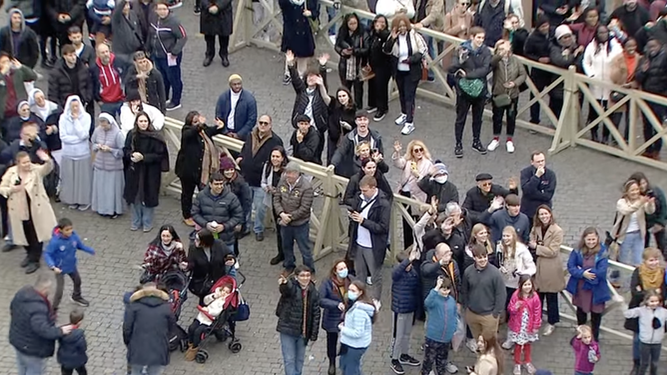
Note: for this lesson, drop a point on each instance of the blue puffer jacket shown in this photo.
(72, 349)
(601, 293)
(357, 330)
(404, 288)
(61, 251)
(329, 300)
(442, 317)
(33, 329)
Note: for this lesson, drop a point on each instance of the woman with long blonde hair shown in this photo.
(479, 237)
(415, 164)
(630, 223)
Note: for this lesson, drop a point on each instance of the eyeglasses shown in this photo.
(487, 184)
(263, 122)
(417, 149)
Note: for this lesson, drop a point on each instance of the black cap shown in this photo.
(541, 20)
(361, 113)
(132, 95)
(302, 118)
(483, 177)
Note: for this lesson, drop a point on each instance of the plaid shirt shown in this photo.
(156, 262)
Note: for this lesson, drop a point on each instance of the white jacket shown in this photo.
(598, 65)
(214, 307)
(389, 8)
(524, 265)
(74, 132)
(127, 117)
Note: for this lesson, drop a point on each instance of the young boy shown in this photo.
(440, 326)
(60, 256)
(85, 52)
(72, 348)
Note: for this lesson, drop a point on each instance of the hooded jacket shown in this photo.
(166, 36)
(443, 318)
(107, 79)
(115, 139)
(32, 330)
(598, 286)
(357, 328)
(74, 132)
(72, 349)
(49, 114)
(146, 326)
(61, 251)
(23, 46)
(127, 32)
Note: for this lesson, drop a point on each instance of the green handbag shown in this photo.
(471, 87)
(502, 100)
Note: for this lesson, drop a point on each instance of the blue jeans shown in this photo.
(29, 365)
(632, 249)
(294, 351)
(298, 233)
(260, 209)
(331, 13)
(147, 370)
(142, 216)
(350, 360)
(172, 78)
(636, 353)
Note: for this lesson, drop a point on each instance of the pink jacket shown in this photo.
(516, 307)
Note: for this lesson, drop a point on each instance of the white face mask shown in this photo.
(441, 179)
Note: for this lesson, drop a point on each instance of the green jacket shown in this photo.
(19, 77)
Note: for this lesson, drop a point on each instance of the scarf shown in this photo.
(258, 141)
(168, 249)
(651, 279)
(211, 160)
(341, 288)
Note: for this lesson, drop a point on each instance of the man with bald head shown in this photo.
(106, 74)
(439, 262)
(255, 152)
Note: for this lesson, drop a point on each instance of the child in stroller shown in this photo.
(217, 319)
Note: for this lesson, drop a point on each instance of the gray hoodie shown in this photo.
(128, 36)
(166, 36)
(646, 315)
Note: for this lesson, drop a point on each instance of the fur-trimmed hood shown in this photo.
(149, 292)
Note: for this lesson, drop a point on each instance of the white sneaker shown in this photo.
(400, 120)
(493, 145)
(408, 128)
(517, 370)
(510, 147)
(507, 345)
(548, 329)
(471, 344)
(451, 368)
(369, 280)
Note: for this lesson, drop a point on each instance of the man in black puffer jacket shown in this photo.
(217, 209)
(32, 331)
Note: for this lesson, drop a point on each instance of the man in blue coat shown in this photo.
(538, 185)
(237, 108)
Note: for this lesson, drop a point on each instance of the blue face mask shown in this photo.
(352, 296)
(342, 274)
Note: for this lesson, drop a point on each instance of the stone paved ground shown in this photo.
(589, 184)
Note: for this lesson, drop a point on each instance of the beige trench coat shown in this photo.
(43, 217)
(549, 277)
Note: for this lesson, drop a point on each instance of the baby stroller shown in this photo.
(224, 326)
(176, 282)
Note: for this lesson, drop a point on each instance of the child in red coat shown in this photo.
(525, 310)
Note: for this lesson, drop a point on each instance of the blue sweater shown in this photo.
(358, 326)
(404, 288)
(442, 317)
(61, 251)
(601, 293)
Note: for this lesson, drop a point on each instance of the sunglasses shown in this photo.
(417, 149)
(487, 184)
(264, 123)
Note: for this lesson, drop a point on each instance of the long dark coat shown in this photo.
(220, 23)
(297, 34)
(147, 172)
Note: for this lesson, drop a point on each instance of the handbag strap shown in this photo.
(620, 225)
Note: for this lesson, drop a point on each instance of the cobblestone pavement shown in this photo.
(589, 184)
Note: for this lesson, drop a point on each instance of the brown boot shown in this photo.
(191, 353)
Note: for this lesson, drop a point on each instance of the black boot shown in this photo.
(225, 61)
(277, 259)
(207, 60)
(332, 368)
(635, 368)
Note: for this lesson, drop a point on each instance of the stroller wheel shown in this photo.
(235, 347)
(202, 356)
(183, 346)
(220, 336)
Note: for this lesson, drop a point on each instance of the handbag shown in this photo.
(616, 96)
(314, 23)
(424, 76)
(471, 87)
(612, 241)
(242, 311)
(366, 72)
(502, 100)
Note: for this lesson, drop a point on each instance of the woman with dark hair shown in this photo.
(273, 169)
(341, 118)
(369, 167)
(587, 266)
(333, 300)
(655, 222)
(208, 259)
(356, 331)
(146, 157)
(586, 30)
(546, 238)
(352, 44)
(380, 63)
(164, 253)
(197, 158)
(598, 55)
(241, 189)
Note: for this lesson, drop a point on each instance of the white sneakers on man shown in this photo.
(493, 145)
(400, 120)
(408, 128)
(509, 145)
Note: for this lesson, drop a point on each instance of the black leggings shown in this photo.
(332, 346)
(596, 321)
(196, 332)
(69, 371)
(187, 190)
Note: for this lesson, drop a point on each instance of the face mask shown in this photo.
(440, 179)
(352, 296)
(342, 274)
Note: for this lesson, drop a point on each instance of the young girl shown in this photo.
(215, 303)
(586, 351)
(356, 331)
(525, 311)
(652, 319)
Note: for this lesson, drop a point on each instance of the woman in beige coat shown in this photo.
(31, 217)
(630, 223)
(546, 237)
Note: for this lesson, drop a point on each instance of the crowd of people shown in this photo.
(469, 267)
